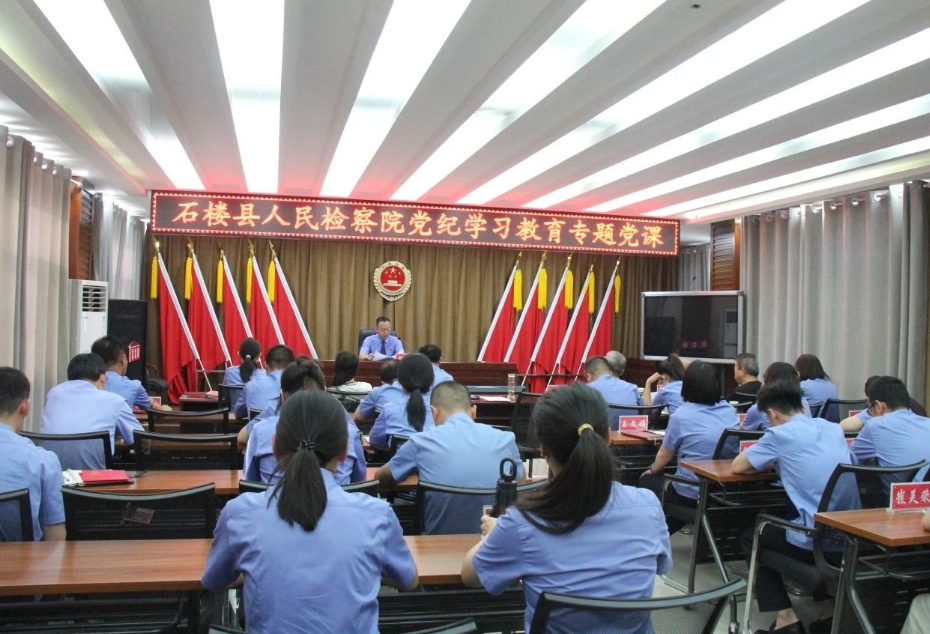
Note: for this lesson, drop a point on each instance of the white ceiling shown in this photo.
(725, 106)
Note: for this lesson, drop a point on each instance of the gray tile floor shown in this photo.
(708, 577)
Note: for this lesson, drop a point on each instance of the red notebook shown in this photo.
(104, 476)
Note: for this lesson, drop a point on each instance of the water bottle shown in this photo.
(512, 388)
(506, 487)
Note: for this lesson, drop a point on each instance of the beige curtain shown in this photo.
(118, 249)
(846, 280)
(451, 301)
(34, 202)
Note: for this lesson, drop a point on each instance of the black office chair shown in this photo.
(16, 517)
(228, 395)
(251, 486)
(837, 409)
(186, 514)
(617, 410)
(366, 486)
(466, 626)
(214, 421)
(522, 429)
(728, 445)
(186, 451)
(397, 441)
(815, 408)
(824, 573)
(76, 451)
(742, 406)
(693, 613)
(349, 401)
(458, 510)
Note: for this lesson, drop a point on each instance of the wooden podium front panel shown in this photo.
(467, 372)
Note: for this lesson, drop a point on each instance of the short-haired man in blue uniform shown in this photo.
(615, 390)
(381, 344)
(805, 451)
(265, 390)
(25, 466)
(456, 452)
(894, 435)
(114, 357)
(81, 405)
(389, 390)
(434, 354)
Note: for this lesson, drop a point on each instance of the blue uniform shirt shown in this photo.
(670, 396)
(372, 344)
(898, 438)
(25, 466)
(818, 391)
(325, 580)
(260, 464)
(440, 375)
(615, 553)
(129, 389)
(461, 453)
(693, 433)
(234, 377)
(260, 392)
(78, 407)
(617, 392)
(374, 402)
(393, 420)
(805, 451)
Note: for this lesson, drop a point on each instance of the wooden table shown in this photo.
(91, 567)
(719, 472)
(627, 438)
(226, 482)
(893, 530)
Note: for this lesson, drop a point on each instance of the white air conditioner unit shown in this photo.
(88, 314)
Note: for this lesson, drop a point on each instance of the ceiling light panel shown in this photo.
(413, 34)
(892, 58)
(871, 160)
(251, 42)
(593, 27)
(775, 29)
(832, 134)
(107, 58)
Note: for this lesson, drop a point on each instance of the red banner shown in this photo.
(202, 213)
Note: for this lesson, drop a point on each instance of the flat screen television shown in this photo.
(704, 325)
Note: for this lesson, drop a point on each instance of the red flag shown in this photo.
(177, 345)
(500, 332)
(521, 346)
(235, 325)
(261, 313)
(204, 327)
(571, 353)
(550, 336)
(289, 319)
(601, 340)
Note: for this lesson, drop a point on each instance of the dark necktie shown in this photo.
(384, 347)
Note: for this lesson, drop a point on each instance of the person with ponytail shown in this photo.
(311, 555)
(582, 533)
(250, 351)
(410, 413)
